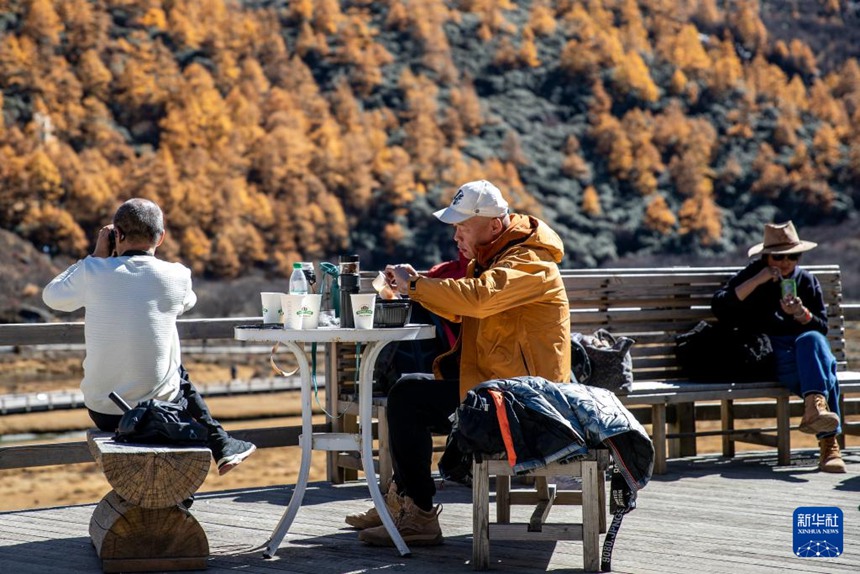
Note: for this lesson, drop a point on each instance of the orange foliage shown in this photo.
(773, 179)
(785, 132)
(42, 23)
(47, 225)
(825, 106)
(632, 77)
(727, 68)
(702, 216)
(802, 57)
(678, 83)
(746, 23)
(647, 163)
(685, 51)
(211, 109)
(468, 105)
(541, 19)
(591, 202)
(633, 33)
(528, 54)
(574, 165)
(825, 146)
(658, 216)
(94, 75)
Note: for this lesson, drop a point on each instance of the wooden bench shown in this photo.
(142, 525)
(654, 305)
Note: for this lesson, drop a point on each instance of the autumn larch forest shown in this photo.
(273, 131)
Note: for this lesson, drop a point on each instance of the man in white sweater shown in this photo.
(132, 301)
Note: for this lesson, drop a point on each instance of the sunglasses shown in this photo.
(780, 257)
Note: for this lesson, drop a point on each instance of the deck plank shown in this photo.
(707, 514)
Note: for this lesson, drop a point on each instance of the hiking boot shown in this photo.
(371, 518)
(417, 527)
(816, 416)
(233, 453)
(830, 459)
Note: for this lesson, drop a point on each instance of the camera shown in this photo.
(112, 243)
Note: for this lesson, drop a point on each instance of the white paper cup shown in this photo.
(272, 311)
(310, 311)
(363, 305)
(292, 305)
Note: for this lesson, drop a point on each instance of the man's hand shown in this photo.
(398, 277)
(103, 248)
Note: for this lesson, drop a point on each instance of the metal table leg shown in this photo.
(365, 390)
(306, 442)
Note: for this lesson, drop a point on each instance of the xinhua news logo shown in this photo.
(818, 532)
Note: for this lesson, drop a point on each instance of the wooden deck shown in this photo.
(706, 515)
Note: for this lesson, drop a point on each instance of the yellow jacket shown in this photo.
(512, 305)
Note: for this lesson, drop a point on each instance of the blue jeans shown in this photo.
(805, 365)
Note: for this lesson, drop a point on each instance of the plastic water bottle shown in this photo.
(298, 281)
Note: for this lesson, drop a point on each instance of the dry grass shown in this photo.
(84, 483)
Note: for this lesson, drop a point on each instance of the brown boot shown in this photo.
(417, 527)
(816, 417)
(371, 518)
(830, 459)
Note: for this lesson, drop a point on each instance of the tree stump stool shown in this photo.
(141, 525)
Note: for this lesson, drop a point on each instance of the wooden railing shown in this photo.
(189, 329)
(21, 334)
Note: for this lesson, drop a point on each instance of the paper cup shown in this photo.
(363, 305)
(310, 311)
(272, 311)
(292, 305)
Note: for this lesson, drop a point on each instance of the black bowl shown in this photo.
(391, 312)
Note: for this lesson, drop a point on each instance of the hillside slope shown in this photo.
(273, 131)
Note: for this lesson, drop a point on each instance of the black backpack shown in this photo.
(718, 352)
(160, 422)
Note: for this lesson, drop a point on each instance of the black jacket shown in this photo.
(552, 422)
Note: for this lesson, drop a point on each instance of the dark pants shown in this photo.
(196, 407)
(418, 406)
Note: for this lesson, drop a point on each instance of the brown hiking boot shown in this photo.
(371, 518)
(816, 416)
(830, 459)
(417, 527)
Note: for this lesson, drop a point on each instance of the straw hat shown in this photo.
(780, 238)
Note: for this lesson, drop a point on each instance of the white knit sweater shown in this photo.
(132, 346)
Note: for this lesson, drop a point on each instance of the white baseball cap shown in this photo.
(480, 198)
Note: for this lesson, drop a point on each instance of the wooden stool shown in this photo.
(592, 498)
(141, 525)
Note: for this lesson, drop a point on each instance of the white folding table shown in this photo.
(372, 340)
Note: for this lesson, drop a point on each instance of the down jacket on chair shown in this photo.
(547, 422)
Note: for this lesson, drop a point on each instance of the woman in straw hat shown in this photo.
(775, 296)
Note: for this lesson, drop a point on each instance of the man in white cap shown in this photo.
(515, 321)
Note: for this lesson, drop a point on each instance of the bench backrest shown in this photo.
(653, 305)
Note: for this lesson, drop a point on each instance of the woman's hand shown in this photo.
(764, 276)
(794, 306)
(768, 274)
